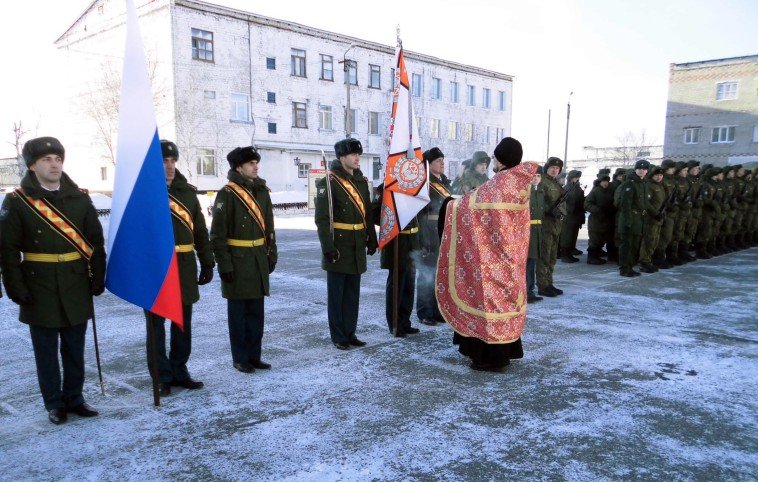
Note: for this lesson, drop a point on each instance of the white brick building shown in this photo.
(712, 111)
(224, 78)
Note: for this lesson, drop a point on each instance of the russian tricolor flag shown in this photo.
(142, 267)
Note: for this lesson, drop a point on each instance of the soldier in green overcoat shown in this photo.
(600, 224)
(555, 211)
(575, 216)
(190, 236)
(347, 235)
(53, 261)
(244, 245)
(536, 211)
(477, 172)
(631, 202)
(427, 309)
(653, 220)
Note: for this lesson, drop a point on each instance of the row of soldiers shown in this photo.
(674, 209)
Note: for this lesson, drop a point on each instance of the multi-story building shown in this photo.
(224, 78)
(712, 112)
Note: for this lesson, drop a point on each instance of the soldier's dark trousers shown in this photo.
(629, 251)
(245, 329)
(569, 235)
(406, 290)
(426, 301)
(173, 367)
(343, 297)
(531, 275)
(45, 343)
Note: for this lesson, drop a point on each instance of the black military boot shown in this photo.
(710, 248)
(721, 245)
(593, 258)
(701, 252)
(659, 259)
(685, 252)
(673, 257)
(647, 268)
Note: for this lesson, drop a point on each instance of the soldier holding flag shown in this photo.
(346, 233)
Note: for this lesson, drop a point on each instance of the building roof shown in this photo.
(724, 61)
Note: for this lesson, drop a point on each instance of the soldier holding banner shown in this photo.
(190, 235)
(53, 261)
(346, 232)
(244, 245)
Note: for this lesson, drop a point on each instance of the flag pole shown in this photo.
(395, 276)
(153, 356)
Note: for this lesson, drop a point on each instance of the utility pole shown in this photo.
(566, 146)
(348, 114)
(547, 149)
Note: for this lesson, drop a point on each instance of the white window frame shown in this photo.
(471, 95)
(486, 134)
(726, 90)
(374, 123)
(436, 88)
(352, 118)
(302, 169)
(417, 84)
(486, 98)
(206, 161)
(501, 100)
(468, 133)
(722, 135)
(240, 109)
(325, 117)
(692, 135)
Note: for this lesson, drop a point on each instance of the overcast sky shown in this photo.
(613, 55)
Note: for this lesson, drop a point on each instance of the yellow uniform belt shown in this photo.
(349, 227)
(184, 248)
(246, 243)
(535, 221)
(410, 231)
(52, 258)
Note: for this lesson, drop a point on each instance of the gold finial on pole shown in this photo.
(397, 31)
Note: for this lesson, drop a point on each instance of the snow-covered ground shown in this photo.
(651, 378)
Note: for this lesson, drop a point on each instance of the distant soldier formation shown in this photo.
(474, 257)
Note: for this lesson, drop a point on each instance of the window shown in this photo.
(722, 135)
(471, 95)
(270, 63)
(103, 173)
(454, 92)
(486, 135)
(486, 98)
(377, 163)
(374, 77)
(302, 169)
(298, 63)
(469, 133)
(272, 127)
(206, 162)
(501, 101)
(416, 85)
(499, 134)
(692, 135)
(726, 91)
(435, 129)
(350, 121)
(452, 130)
(240, 107)
(202, 45)
(373, 123)
(271, 97)
(209, 94)
(755, 133)
(327, 68)
(436, 88)
(392, 79)
(418, 124)
(299, 115)
(351, 72)
(325, 117)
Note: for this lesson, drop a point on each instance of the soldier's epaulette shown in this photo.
(13, 194)
(83, 191)
(192, 186)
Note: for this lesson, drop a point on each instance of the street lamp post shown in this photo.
(566, 146)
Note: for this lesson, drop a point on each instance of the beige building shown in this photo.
(712, 112)
(224, 78)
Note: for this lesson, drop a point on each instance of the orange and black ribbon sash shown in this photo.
(442, 190)
(353, 194)
(252, 206)
(58, 223)
(179, 211)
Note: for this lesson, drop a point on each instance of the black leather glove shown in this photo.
(370, 250)
(228, 276)
(23, 299)
(96, 289)
(206, 275)
(271, 265)
(425, 252)
(332, 256)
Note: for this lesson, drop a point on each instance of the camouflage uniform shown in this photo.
(551, 230)
(653, 220)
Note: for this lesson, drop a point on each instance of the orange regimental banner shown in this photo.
(481, 269)
(406, 179)
(58, 222)
(180, 212)
(247, 199)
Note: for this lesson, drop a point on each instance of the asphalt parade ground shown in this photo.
(651, 378)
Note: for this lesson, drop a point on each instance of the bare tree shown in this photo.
(631, 147)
